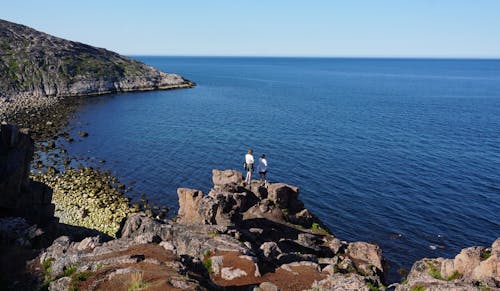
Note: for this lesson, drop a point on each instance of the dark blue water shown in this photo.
(405, 153)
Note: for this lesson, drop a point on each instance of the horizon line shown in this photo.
(321, 57)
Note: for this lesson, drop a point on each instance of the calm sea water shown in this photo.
(404, 153)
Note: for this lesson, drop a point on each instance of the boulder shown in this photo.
(334, 244)
(266, 286)
(270, 250)
(341, 282)
(225, 177)
(488, 270)
(303, 218)
(196, 239)
(472, 267)
(189, 203)
(232, 273)
(466, 261)
(285, 196)
(365, 253)
(143, 228)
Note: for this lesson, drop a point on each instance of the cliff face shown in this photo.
(37, 64)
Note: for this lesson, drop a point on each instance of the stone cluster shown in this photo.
(88, 197)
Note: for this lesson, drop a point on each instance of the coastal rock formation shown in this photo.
(35, 65)
(237, 236)
(474, 268)
(19, 195)
(278, 232)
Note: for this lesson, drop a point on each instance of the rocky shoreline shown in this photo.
(236, 237)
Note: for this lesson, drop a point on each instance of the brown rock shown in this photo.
(466, 261)
(341, 282)
(285, 196)
(226, 177)
(366, 253)
(189, 200)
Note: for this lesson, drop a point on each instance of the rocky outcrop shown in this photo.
(237, 236)
(247, 237)
(121, 264)
(277, 231)
(34, 65)
(474, 268)
(19, 195)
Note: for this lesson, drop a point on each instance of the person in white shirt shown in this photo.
(249, 166)
(262, 168)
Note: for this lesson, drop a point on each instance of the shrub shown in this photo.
(372, 286)
(69, 271)
(137, 282)
(456, 274)
(433, 271)
(485, 255)
(82, 276)
(46, 266)
(207, 261)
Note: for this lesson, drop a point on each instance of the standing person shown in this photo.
(262, 168)
(249, 166)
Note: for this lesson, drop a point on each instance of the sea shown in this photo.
(401, 152)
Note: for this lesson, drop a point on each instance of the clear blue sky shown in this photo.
(384, 28)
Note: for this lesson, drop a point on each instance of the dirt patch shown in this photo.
(159, 270)
(299, 278)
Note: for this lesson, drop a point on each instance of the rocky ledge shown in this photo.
(474, 268)
(245, 237)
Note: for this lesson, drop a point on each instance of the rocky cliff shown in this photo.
(19, 195)
(33, 63)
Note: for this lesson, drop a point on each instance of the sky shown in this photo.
(315, 28)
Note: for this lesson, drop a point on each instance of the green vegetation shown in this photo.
(417, 288)
(82, 276)
(137, 282)
(372, 286)
(69, 271)
(485, 255)
(433, 271)
(46, 266)
(316, 227)
(99, 266)
(456, 275)
(207, 261)
(78, 277)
